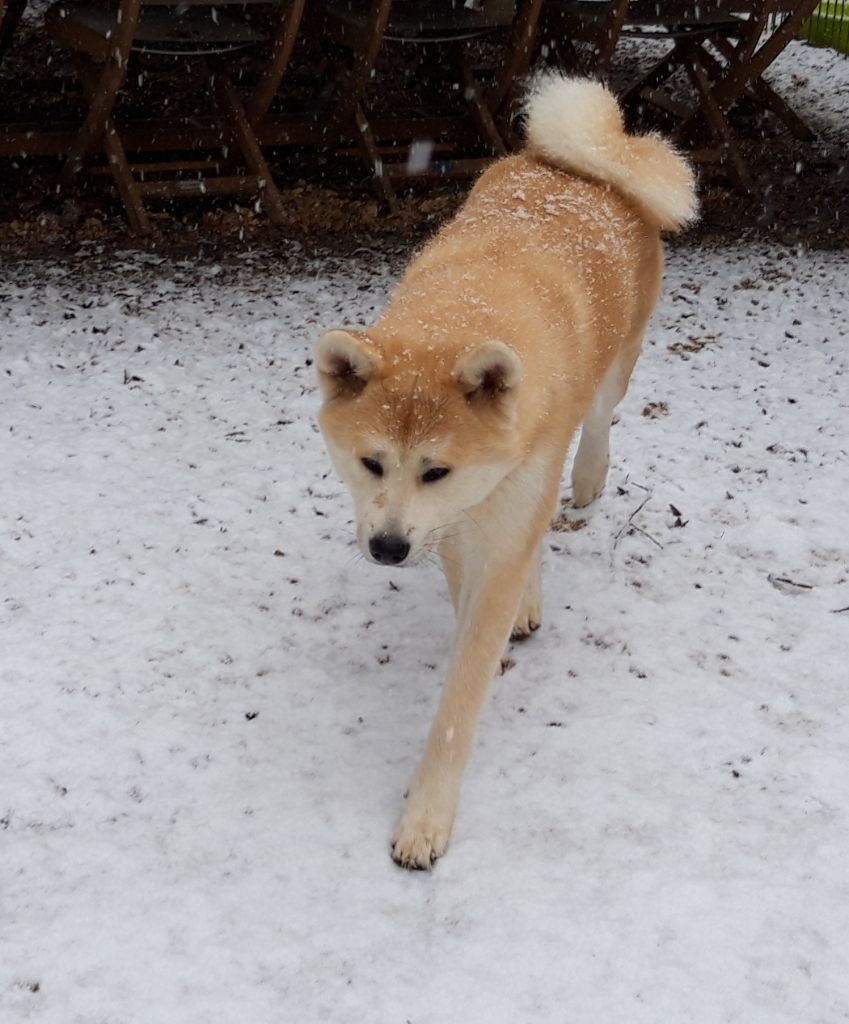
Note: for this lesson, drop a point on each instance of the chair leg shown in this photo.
(93, 127)
(630, 99)
(518, 56)
(718, 124)
(364, 60)
(257, 104)
(101, 92)
(116, 157)
(379, 176)
(764, 94)
(247, 142)
(474, 96)
(610, 37)
(760, 55)
(782, 110)
(124, 182)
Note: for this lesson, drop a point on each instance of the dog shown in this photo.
(451, 417)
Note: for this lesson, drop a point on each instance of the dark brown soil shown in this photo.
(800, 193)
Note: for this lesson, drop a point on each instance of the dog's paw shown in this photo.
(505, 665)
(524, 627)
(418, 844)
(588, 484)
(530, 610)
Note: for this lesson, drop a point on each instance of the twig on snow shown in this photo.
(782, 582)
(631, 527)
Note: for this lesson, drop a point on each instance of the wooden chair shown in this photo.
(364, 27)
(723, 48)
(101, 39)
(780, 21)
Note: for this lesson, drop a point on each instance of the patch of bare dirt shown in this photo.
(800, 192)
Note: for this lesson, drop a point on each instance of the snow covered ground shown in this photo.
(211, 706)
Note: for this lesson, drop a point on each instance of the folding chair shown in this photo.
(101, 38)
(781, 21)
(363, 27)
(723, 47)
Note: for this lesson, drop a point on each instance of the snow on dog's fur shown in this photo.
(450, 418)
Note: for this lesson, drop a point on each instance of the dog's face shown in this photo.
(419, 440)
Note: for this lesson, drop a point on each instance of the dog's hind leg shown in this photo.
(529, 618)
(589, 472)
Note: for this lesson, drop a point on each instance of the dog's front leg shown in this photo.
(487, 605)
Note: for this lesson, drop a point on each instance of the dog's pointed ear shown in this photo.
(345, 361)
(489, 375)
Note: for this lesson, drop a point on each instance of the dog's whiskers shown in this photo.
(473, 521)
(437, 535)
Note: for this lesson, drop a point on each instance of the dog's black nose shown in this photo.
(388, 549)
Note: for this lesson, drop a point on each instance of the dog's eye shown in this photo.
(373, 466)
(437, 473)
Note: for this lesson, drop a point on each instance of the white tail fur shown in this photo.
(576, 124)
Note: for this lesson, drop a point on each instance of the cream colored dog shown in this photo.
(451, 417)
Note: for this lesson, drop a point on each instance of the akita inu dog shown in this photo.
(451, 417)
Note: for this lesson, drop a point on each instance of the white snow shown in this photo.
(211, 706)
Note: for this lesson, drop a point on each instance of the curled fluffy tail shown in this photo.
(576, 124)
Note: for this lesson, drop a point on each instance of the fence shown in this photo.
(829, 25)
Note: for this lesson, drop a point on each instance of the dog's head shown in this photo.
(418, 435)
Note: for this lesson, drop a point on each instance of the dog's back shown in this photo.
(556, 250)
